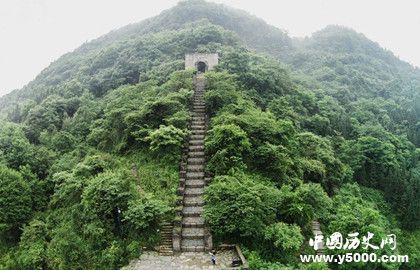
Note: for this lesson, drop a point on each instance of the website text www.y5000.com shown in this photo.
(353, 257)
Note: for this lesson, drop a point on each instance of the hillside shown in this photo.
(324, 128)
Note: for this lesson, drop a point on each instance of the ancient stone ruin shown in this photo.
(201, 62)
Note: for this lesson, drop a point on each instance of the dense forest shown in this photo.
(324, 128)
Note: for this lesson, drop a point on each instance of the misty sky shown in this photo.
(33, 33)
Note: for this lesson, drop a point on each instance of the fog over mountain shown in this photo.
(53, 31)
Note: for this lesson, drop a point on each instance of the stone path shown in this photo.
(192, 234)
(316, 230)
(150, 260)
(165, 247)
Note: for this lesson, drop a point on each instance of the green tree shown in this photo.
(226, 144)
(238, 208)
(15, 203)
(15, 149)
(284, 241)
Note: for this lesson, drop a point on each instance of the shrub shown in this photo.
(283, 241)
(167, 141)
(237, 207)
(145, 214)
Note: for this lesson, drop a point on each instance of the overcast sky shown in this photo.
(33, 33)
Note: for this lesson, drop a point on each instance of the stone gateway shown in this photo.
(201, 61)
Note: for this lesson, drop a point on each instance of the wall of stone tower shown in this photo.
(191, 60)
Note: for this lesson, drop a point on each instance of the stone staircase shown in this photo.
(165, 247)
(192, 224)
(316, 230)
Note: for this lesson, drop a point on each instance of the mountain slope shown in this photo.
(246, 26)
(90, 150)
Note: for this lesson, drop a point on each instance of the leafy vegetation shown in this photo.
(325, 128)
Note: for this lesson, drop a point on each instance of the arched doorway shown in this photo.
(201, 66)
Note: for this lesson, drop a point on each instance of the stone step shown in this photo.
(194, 204)
(192, 210)
(195, 184)
(195, 161)
(194, 201)
(196, 142)
(191, 214)
(193, 222)
(165, 249)
(195, 168)
(193, 225)
(193, 248)
(198, 127)
(199, 111)
(195, 148)
(315, 225)
(186, 236)
(195, 175)
(198, 123)
(198, 114)
(193, 192)
(198, 132)
(192, 233)
(197, 151)
(197, 137)
(196, 154)
(166, 253)
(196, 118)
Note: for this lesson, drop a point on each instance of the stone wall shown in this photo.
(210, 59)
